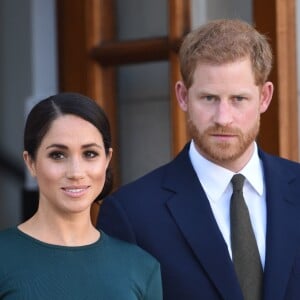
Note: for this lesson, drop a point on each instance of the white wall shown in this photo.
(15, 85)
(27, 73)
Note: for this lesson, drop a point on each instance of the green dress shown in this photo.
(109, 269)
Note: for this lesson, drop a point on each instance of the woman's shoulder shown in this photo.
(130, 261)
(8, 234)
(10, 245)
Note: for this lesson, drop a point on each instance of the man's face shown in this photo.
(223, 108)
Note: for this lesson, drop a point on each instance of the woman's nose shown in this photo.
(75, 169)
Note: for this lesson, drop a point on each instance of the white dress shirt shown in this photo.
(215, 181)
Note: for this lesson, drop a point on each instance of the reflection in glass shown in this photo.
(138, 19)
(144, 118)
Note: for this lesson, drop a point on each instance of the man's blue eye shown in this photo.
(210, 98)
(239, 98)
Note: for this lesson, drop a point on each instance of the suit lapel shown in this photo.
(283, 224)
(191, 211)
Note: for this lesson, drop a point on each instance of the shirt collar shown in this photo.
(215, 179)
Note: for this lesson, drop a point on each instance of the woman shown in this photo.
(58, 253)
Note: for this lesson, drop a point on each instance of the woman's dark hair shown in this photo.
(46, 111)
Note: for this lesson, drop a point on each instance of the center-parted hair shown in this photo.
(46, 111)
(225, 41)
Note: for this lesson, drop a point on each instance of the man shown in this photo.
(182, 213)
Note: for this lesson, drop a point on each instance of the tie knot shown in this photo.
(237, 182)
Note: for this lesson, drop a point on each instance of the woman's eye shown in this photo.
(56, 155)
(90, 154)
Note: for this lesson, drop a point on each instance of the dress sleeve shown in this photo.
(154, 286)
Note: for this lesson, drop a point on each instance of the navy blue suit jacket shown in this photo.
(167, 213)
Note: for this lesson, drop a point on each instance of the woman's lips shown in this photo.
(75, 191)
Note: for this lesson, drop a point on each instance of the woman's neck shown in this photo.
(61, 230)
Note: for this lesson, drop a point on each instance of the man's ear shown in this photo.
(266, 96)
(29, 163)
(181, 95)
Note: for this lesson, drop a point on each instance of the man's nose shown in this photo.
(223, 113)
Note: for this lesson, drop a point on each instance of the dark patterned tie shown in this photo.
(245, 254)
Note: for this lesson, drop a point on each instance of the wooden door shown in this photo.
(279, 127)
(89, 54)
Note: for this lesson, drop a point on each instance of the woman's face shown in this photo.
(70, 166)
